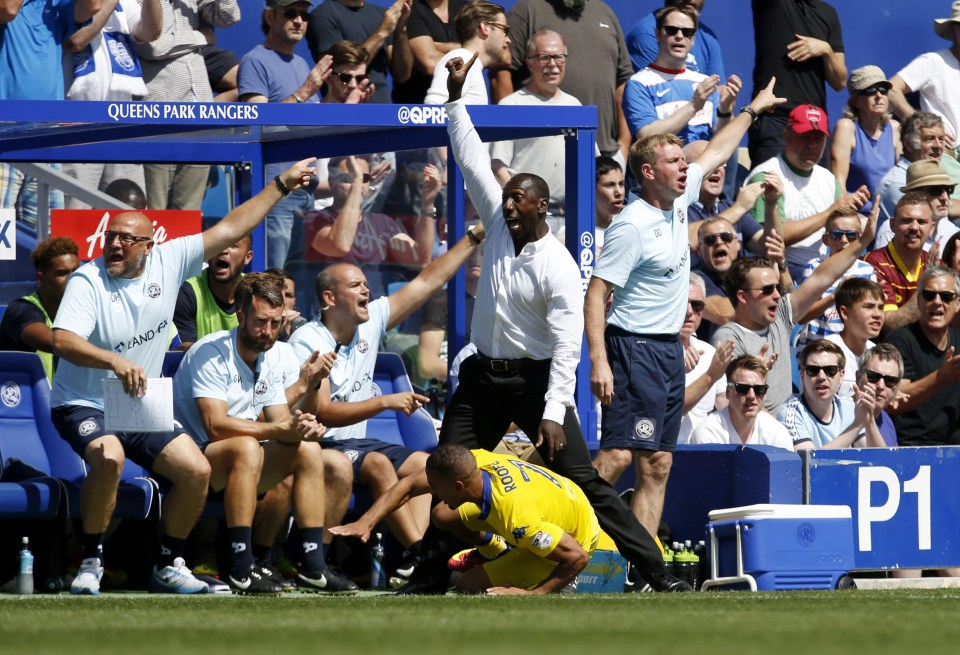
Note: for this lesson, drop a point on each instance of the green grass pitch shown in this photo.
(906, 622)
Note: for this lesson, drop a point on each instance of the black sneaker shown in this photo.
(673, 584)
(408, 564)
(423, 589)
(254, 583)
(275, 576)
(326, 582)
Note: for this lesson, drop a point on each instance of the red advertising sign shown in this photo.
(87, 226)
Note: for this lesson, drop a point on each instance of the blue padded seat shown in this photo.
(415, 431)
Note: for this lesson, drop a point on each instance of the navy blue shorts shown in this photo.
(648, 388)
(357, 449)
(79, 425)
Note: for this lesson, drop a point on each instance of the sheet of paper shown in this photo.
(153, 412)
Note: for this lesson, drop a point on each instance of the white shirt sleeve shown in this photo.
(474, 160)
(565, 321)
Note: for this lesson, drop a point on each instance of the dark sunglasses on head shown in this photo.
(874, 377)
(813, 371)
(876, 88)
(711, 239)
(697, 305)
(673, 30)
(768, 289)
(946, 296)
(760, 390)
(839, 234)
(346, 77)
(290, 14)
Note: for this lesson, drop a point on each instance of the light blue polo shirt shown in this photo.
(646, 257)
(351, 378)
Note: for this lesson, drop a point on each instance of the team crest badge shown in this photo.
(352, 455)
(153, 290)
(363, 346)
(261, 387)
(644, 428)
(10, 394)
(87, 427)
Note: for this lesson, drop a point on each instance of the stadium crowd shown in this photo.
(805, 301)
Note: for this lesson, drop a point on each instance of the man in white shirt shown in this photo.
(230, 396)
(114, 322)
(859, 304)
(934, 75)
(481, 28)
(705, 382)
(743, 421)
(635, 353)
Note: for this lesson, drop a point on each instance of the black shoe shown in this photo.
(254, 583)
(326, 582)
(672, 584)
(423, 589)
(408, 564)
(275, 576)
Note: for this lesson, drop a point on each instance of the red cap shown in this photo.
(808, 118)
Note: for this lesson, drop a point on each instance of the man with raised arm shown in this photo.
(114, 322)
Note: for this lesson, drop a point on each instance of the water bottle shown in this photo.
(682, 565)
(695, 573)
(56, 584)
(701, 552)
(25, 577)
(668, 560)
(377, 578)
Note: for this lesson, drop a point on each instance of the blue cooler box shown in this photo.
(780, 547)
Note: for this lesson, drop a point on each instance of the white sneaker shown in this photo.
(88, 578)
(176, 579)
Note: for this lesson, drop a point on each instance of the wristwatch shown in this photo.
(750, 110)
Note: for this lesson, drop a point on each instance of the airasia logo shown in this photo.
(88, 227)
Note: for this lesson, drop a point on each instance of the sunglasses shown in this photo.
(125, 239)
(939, 190)
(697, 305)
(869, 91)
(347, 178)
(874, 377)
(546, 59)
(814, 371)
(346, 77)
(759, 390)
(504, 28)
(711, 239)
(290, 14)
(768, 289)
(673, 30)
(849, 234)
(929, 295)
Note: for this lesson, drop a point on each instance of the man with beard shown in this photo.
(898, 265)
(928, 177)
(481, 28)
(229, 394)
(113, 323)
(205, 303)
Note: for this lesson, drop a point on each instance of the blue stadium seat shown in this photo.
(24, 393)
(415, 431)
(137, 494)
(171, 362)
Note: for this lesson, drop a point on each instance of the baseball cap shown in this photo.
(285, 3)
(808, 118)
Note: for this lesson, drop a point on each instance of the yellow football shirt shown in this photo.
(529, 506)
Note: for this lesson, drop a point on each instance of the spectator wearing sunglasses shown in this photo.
(704, 57)
(705, 384)
(931, 364)
(859, 304)
(928, 177)
(810, 191)
(381, 31)
(921, 137)
(866, 141)
(823, 319)
(764, 311)
(481, 27)
(817, 417)
(899, 264)
(935, 77)
(743, 421)
(880, 369)
(666, 97)
(273, 72)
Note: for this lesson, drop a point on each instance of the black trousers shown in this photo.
(481, 410)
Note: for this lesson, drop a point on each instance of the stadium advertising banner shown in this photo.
(904, 501)
(88, 226)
